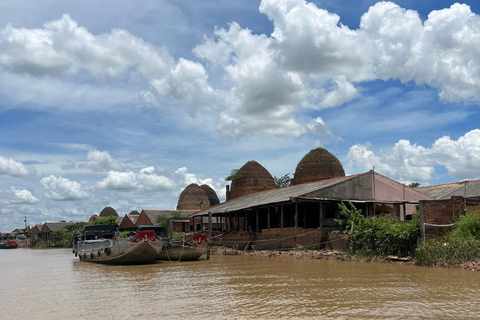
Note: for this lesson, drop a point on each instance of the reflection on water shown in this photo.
(53, 284)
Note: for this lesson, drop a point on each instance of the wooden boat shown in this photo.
(12, 244)
(101, 244)
(190, 249)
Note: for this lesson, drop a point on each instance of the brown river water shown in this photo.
(52, 284)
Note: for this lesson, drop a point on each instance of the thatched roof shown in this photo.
(251, 178)
(193, 198)
(108, 211)
(317, 165)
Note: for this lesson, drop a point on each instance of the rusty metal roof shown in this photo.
(281, 195)
(468, 188)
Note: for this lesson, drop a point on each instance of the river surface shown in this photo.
(52, 284)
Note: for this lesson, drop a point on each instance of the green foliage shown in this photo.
(467, 228)
(233, 175)
(414, 185)
(283, 181)
(454, 252)
(378, 236)
(178, 235)
(123, 234)
(76, 227)
(461, 244)
(106, 220)
(162, 220)
(40, 244)
(62, 238)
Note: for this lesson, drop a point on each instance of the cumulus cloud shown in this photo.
(189, 178)
(119, 181)
(60, 189)
(23, 196)
(411, 162)
(101, 161)
(153, 182)
(10, 167)
(63, 48)
(270, 75)
(310, 61)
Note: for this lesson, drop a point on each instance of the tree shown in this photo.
(414, 185)
(106, 220)
(232, 176)
(162, 219)
(283, 181)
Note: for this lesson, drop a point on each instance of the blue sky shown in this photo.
(125, 104)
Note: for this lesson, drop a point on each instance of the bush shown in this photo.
(461, 244)
(439, 253)
(379, 236)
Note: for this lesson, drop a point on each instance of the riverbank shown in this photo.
(339, 256)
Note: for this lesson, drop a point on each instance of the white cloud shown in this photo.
(63, 48)
(23, 196)
(101, 161)
(189, 178)
(263, 83)
(14, 168)
(119, 181)
(152, 182)
(62, 188)
(411, 162)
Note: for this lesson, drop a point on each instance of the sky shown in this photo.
(124, 104)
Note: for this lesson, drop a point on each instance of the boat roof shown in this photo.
(150, 227)
(100, 227)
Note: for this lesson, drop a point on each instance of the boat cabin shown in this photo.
(105, 231)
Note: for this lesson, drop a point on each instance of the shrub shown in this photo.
(461, 244)
(379, 236)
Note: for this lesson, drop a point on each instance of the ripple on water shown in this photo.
(51, 283)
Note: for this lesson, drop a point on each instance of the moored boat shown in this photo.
(12, 244)
(184, 250)
(101, 244)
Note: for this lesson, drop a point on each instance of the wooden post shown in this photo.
(322, 216)
(421, 209)
(170, 226)
(281, 220)
(296, 225)
(209, 235)
(256, 218)
(304, 217)
(268, 221)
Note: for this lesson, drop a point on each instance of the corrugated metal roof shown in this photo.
(272, 196)
(154, 214)
(470, 188)
(52, 226)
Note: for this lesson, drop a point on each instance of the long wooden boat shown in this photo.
(190, 249)
(100, 244)
(12, 244)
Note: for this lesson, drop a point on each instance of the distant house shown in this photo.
(47, 229)
(304, 214)
(450, 201)
(181, 223)
(128, 221)
(35, 233)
